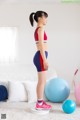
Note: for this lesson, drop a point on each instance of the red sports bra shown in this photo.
(36, 35)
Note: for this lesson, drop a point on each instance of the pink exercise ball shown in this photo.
(76, 81)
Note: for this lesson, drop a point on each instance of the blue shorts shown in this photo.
(38, 61)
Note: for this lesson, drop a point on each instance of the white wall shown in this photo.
(63, 30)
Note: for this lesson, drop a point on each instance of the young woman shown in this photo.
(40, 57)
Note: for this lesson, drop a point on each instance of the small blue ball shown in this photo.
(69, 106)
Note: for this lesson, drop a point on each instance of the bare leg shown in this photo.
(40, 90)
(41, 84)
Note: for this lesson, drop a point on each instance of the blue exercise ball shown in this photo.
(69, 106)
(57, 90)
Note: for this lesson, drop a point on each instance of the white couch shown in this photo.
(24, 78)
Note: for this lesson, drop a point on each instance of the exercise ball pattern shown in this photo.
(57, 90)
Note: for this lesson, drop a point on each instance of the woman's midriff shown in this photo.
(45, 46)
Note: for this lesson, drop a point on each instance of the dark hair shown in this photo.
(36, 15)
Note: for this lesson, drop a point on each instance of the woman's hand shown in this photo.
(45, 63)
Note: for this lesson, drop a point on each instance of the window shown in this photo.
(8, 37)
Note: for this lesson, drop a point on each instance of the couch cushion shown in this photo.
(17, 91)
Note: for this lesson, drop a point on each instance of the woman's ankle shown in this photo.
(40, 101)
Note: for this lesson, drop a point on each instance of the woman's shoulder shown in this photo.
(40, 29)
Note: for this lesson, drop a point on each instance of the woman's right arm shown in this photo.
(42, 50)
(41, 45)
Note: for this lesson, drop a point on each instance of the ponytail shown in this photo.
(31, 18)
